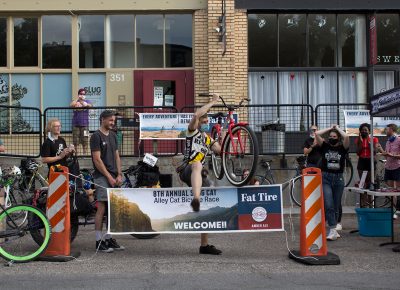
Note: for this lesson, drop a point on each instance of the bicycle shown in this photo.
(30, 175)
(239, 147)
(13, 243)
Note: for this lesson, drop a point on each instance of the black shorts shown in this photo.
(392, 174)
(364, 164)
(186, 176)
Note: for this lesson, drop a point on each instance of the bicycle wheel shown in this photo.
(216, 159)
(348, 172)
(263, 180)
(240, 154)
(16, 244)
(295, 190)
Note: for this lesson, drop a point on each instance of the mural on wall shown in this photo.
(18, 92)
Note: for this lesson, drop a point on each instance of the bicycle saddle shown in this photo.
(218, 115)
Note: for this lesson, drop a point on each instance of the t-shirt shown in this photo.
(365, 147)
(333, 158)
(197, 146)
(315, 155)
(81, 116)
(107, 145)
(53, 148)
(393, 163)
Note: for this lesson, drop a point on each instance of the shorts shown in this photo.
(80, 135)
(101, 192)
(186, 176)
(364, 164)
(392, 174)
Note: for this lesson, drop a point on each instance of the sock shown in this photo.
(99, 235)
(107, 236)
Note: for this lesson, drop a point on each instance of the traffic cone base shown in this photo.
(61, 258)
(329, 259)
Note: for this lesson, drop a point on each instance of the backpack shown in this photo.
(147, 175)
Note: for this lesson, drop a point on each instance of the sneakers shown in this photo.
(333, 235)
(195, 204)
(101, 246)
(113, 245)
(339, 227)
(209, 249)
(395, 215)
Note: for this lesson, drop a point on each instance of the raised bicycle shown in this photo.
(239, 147)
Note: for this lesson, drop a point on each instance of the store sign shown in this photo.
(373, 47)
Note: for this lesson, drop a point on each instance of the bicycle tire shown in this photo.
(216, 159)
(16, 247)
(235, 164)
(145, 236)
(18, 197)
(295, 192)
(263, 180)
(348, 171)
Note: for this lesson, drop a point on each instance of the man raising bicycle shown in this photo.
(198, 145)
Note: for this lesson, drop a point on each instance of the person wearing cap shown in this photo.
(107, 174)
(198, 145)
(80, 120)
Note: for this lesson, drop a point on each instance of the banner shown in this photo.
(354, 118)
(168, 210)
(169, 125)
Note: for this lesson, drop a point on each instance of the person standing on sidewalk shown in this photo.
(392, 154)
(80, 121)
(107, 174)
(311, 149)
(333, 154)
(198, 145)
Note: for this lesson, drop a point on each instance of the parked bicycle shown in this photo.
(15, 242)
(239, 147)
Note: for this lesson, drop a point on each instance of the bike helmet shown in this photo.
(32, 165)
(15, 170)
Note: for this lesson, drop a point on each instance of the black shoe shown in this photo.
(209, 249)
(101, 246)
(396, 249)
(195, 204)
(112, 244)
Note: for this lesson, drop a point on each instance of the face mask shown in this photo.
(312, 136)
(204, 127)
(364, 135)
(83, 97)
(333, 141)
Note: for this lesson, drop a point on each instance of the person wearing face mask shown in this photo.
(363, 143)
(333, 153)
(392, 154)
(54, 149)
(198, 145)
(312, 149)
(80, 121)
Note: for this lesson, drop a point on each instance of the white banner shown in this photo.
(222, 209)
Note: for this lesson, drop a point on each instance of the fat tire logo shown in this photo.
(259, 214)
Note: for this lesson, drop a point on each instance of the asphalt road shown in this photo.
(249, 261)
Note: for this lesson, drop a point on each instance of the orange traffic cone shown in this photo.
(58, 213)
(313, 246)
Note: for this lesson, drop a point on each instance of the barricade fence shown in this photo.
(280, 129)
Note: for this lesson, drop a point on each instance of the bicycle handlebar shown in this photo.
(229, 107)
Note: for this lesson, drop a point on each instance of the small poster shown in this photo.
(158, 96)
(169, 100)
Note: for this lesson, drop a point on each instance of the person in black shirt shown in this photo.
(333, 152)
(311, 149)
(54, 149)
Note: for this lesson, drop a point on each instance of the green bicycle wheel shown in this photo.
(16, 243)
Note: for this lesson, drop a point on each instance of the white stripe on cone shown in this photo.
(313, 223)
(312, 198)
(59, 227)
(56, 184)
(55, 208)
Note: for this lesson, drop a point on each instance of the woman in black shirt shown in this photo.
(333, 153)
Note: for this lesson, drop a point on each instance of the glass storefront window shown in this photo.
(56, 41)
(322, 40)
(178, 40)
(91, 41)
(263, 38)
(122, 41)
(25, 41)
(3, 41)
(351, 40)
(149, 40)
(388, 34)
(383, 81)
(292, 40)
(352, 87)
